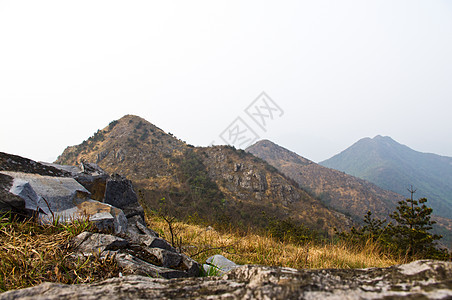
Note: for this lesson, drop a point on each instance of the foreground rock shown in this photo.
(58, 193)
(115, 190)
(142, 254)
(53, 192)
(417, 280)
(62, 199)
(218, 265)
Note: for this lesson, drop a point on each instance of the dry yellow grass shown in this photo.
(200, 242)
(31, 254)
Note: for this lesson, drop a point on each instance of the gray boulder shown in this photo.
(134, 265)
(88, 243)
(167, 259)
(9, 201)
(137, 230)
(119, 193)
(418, 280)
(90, 175)
(158, 259)
(61, 199)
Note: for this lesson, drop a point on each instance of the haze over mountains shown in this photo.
(396, 167)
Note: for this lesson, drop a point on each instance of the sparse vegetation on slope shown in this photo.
(348, 194)
(217, 183)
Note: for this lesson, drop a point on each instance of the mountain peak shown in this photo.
(133, 118)
(269, 150)
(213, 182)
(384, 138)
(394, 166)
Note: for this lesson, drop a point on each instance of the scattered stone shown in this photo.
(218, 265)
(138, 230)
(104, 216)
(167, 259)
(190, 266)
(136, 266)
(88, 243)
(137, 259)
(156, 242)
(144, 230)
(119, 193)
(425, 279)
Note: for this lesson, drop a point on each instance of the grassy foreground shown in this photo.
(31, 254)
(200, 242)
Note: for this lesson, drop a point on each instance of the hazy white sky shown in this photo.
(340, 71)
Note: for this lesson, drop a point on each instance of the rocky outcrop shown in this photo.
(256, 186)
(336, 189)
(417, 280)
(136, 248)
(60, 192)
(10, 162)
(115, 190)
(62, 199)
(90, 175)
(148, 255)
(8, 201)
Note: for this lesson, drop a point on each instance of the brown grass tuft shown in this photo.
(251, 248)
(31, 254)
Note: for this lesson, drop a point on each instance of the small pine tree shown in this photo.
(411, 232)
(374, 229)
(374, 226)
(409, 235)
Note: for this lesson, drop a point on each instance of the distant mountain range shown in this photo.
(348, 194)
(217, 183)
(343, 192)
(224, 184)
(395, 167)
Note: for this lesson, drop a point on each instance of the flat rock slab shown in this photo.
(219, 265)
(419, 280)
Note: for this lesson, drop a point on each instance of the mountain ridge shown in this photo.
(348, 194)
(396, 167)
(220, 181)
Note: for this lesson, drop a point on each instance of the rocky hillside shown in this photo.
(217, 183)
(336, 189)
(395, 167)
(345, 193)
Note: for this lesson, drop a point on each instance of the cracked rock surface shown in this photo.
(424, 279)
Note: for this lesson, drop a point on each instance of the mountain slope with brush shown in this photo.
(218, 183)
(336, 189)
